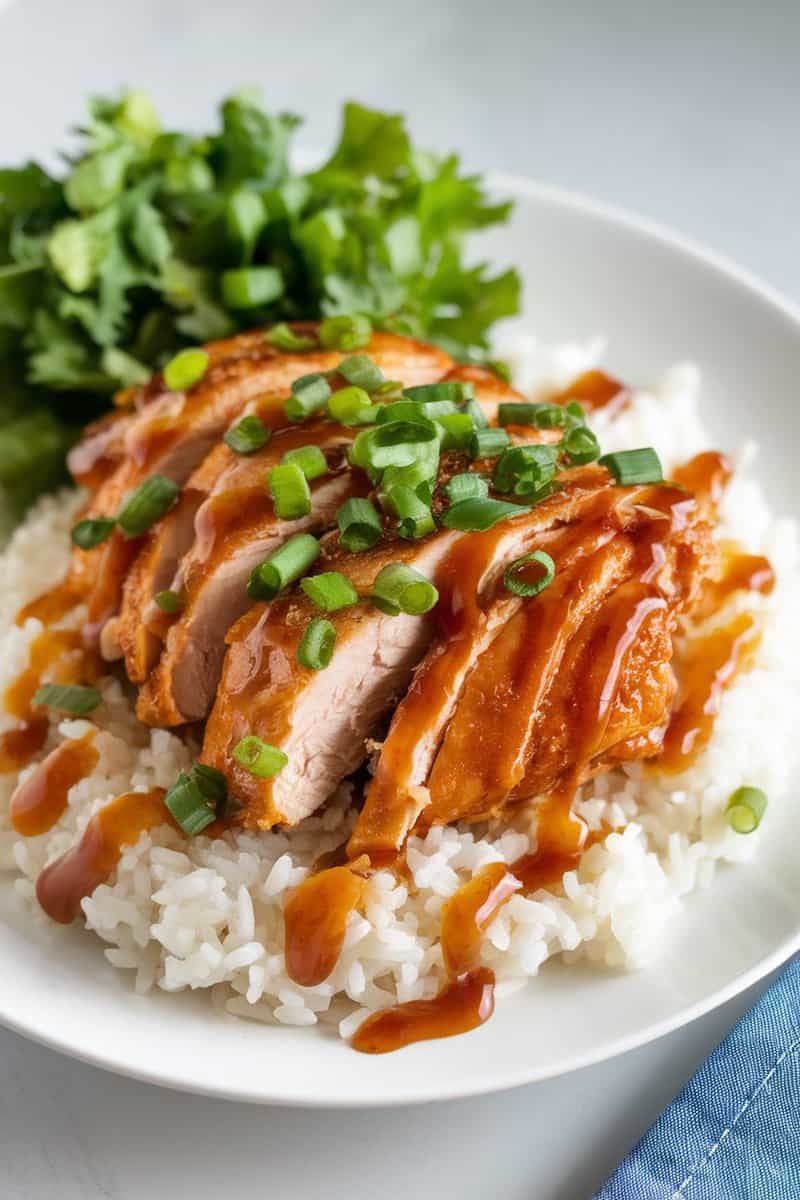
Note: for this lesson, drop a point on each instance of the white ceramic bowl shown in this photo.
(657, 299)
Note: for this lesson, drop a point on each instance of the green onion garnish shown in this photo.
(250, 287)
(310, 393)
(317, 644)
(247, 435)
(473, 516)
(359, 525)
(284, 565)
(415, 519)
(400, 588)
(402, 410)
(147, 505)
(580, 446)
(488, 443)
(479, 418)
(185, 369)
(467, 486)
(351, 406)
(196, 797)
(91, 532)
(452, 391)
(284, 338)
(513, 580)
(345, 332)
(330, 590)
(361, 371)
(68, 698)
(500, 368)
(310, 459)
(168, 602)
(458, 429)
(745, 809)
(290, 492)
(395, 444)
(524, 469)
(634, 466)
(259, 758)
(420, 476)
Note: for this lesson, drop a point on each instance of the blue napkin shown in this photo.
(733, 1132)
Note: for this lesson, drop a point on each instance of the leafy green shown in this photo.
(157, 239)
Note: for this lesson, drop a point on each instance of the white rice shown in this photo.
(209, 913)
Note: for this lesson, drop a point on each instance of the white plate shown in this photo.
(658, 300)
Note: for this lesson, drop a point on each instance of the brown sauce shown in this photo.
(40, 801)
(58, 656)
(315, 922)
(740, 573)
(707, 475)
(51, 606)
(708, 666)
(462, 1005)
(469, 912)
(596, 391)
(64, 883)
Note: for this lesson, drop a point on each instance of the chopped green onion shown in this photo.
(359, 525)
(524, 469)
(453, 391)
(479, 514)
(488, 443)
(351, 406)
(330, 590)
(91, 532)
(467, 486)
(580, 445)
(310, 393)
(168, 602)
(458, 429)
(390, 388)
(259, 758)
(513, 580)
(283, 566)
(419, 475)
(395, 444)
(196, 797)
(310, 459)
(247, 435)
(250, 287)
(185, 369)
(68, 698)
(479, 418)
(290, 492)
(415, 517)
(147, 505)
(500, 368)
(345, 332)
(400, 588)
(541, 416)
(634, 466)
(401, 410)
(282, 337)
(745, 809)
(317, 644)
(575, 412)
(245, 218)
(361, 371)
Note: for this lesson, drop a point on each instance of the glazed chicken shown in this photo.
(500, 693)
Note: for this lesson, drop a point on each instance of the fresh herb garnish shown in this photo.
(155, 241)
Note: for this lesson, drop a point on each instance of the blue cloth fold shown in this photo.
(733, 1132)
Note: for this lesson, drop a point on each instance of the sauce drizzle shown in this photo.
(63, 884)
(315, 923)
(462, 1005)
(40, 801)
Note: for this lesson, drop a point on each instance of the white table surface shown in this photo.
(686, 113)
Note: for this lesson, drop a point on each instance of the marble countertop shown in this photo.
(686, 114)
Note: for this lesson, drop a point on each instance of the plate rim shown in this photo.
(732, 272)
